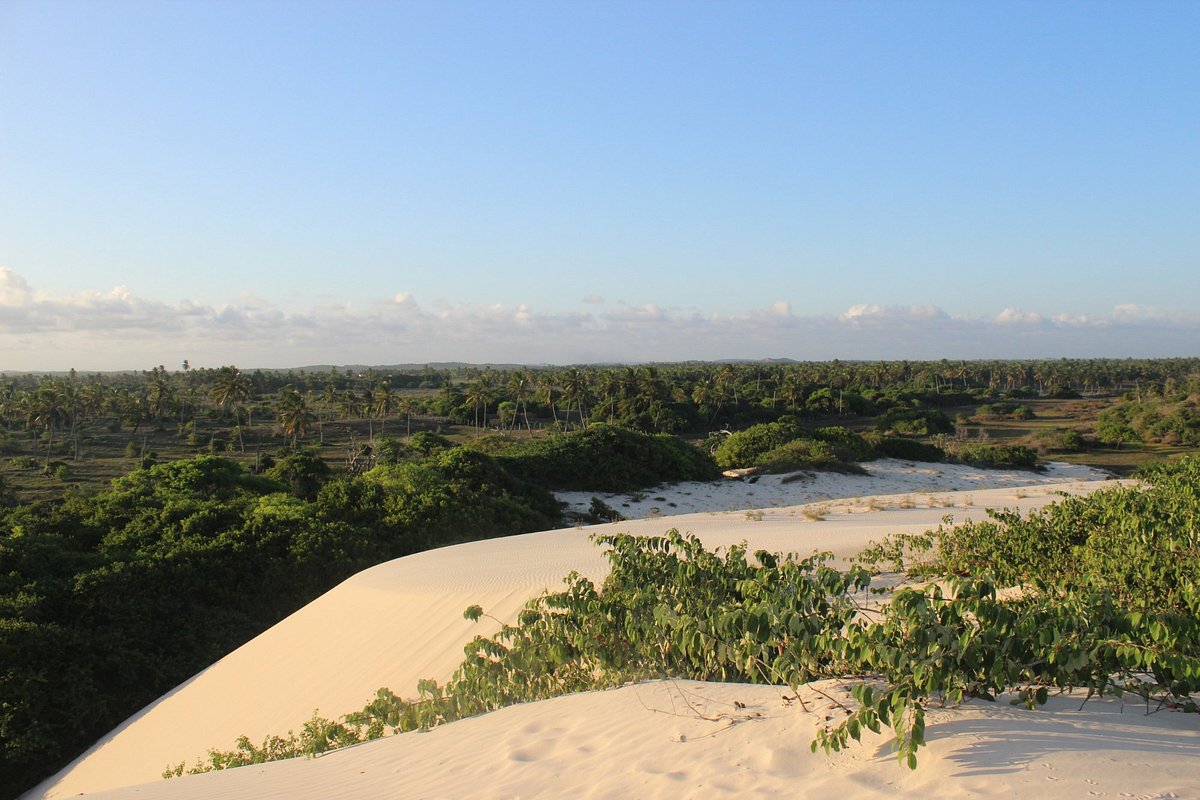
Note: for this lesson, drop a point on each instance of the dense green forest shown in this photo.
(151, 522)
(74, 430)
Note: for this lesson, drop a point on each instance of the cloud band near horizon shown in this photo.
(114, 330)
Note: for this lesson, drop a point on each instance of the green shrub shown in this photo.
(57, 469)
(428, 443)
(303, 471)
(914, 421)
(1004, 409)
(847, 445)
(994, 456)
(748, 447)
(389, 451)
(606, 458)
(807, 454)
(1063, 440)
(601, 511)
(908, 449)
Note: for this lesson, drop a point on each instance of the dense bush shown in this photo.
(914, 421)
(785, 445)
(1170, 417)
(1063, 440)
(108, 601)
(846, 444)
(908, 449)
(994, 456)
(1004, 410)
(1138, 544)
(304, 472)
(804, 454)
(428, 443)
(606, 458)
(746, 448)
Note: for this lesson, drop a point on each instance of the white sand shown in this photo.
(650, 741)
(402, 621)
(886, 476)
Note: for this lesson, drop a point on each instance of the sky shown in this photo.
(278, 184)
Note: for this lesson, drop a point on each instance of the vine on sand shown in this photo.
(1101, 595)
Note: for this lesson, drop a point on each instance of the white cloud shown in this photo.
(862, 311)
(869, 312)
(1128, 312)
(14, 290)
(1015, 316)
(120, 330)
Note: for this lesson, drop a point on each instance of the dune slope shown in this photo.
(401, 621)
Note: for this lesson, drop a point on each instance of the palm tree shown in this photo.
(383, 402)
(291, 411)
(548, 390)
(702, 396)
(52, 405)
(406, 407)
(609, 387)
(162, 393)
(10, 404)
(520, 386)
(72, 402)
(348, 404)
(651, 389)
(231, 389)
(575, 391)
(480, 393)
(329, 399)
(727, 381)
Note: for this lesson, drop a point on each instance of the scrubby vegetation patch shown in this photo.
(1109, 602)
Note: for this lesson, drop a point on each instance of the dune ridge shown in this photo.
(401, 621)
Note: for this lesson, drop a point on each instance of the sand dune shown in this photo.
(402, 621)
(687, 739)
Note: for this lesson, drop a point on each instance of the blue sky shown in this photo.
(278, 184)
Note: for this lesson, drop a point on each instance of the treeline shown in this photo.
(109, 600)
(654, 398)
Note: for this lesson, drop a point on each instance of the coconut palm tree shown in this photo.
(406, 407)
(480, 393)
(46, 409)
(608, 386)
(230, 389)
(291, 411)
(548, 391)
(575, 392)
(520, 386)
(162, 393)
(383, 402)
(348, 404)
